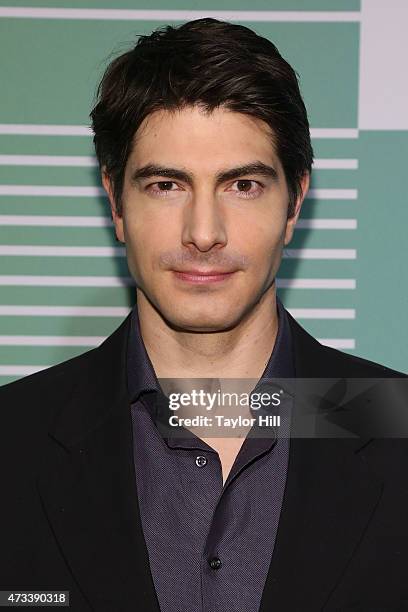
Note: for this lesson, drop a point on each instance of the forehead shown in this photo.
(195, 136)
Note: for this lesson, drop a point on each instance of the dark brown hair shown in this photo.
(209, 63)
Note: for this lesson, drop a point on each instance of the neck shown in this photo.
(241, 352)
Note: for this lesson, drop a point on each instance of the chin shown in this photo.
(195, 320)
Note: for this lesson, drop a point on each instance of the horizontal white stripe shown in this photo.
(56, 220)
(64, 251)
(51, 190)
(99, 221)
(176, 15)
(335, 164)
(298, 313)
(51, 340)
(125, 281)
(323, 313)
(14, 280)
(68, 191)
(64, 311)
(345, 224)
(20, 370)
(315, 283)
(332, 194)
(319, 253)
(48, 160)
(20, 340)
(61, 251)
(334, 133)
(29, 129)
(25, 370)
(338, 343)
(88, 160)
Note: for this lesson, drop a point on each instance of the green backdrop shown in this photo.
(64, 280)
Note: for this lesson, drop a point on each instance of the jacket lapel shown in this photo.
(88, 486)
(329, 499)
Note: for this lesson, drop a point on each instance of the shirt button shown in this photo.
(201, 461)
(215, 563)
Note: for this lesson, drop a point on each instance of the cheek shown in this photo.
(261, 236)
(147, 235)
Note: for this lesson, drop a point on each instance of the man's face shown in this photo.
(236, 224)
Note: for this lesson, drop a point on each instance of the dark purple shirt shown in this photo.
(209, 545)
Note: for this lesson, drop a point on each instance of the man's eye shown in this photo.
(245, 187)
(247, 191)
(161, 186)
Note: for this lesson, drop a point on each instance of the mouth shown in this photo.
(199, 278)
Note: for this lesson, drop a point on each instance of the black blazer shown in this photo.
(69, 517)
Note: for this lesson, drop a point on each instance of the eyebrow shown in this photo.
(254, 168)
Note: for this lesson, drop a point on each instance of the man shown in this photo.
(204, 148)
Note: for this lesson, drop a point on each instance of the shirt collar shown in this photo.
(142, 377)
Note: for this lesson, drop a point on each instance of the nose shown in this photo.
(204, 223)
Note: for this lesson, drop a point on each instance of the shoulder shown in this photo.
(46, 377)
(359, 366)
(29, 403)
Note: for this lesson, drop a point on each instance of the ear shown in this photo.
(117, 220)
(290, 224)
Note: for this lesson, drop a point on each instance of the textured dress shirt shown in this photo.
(209, 545)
